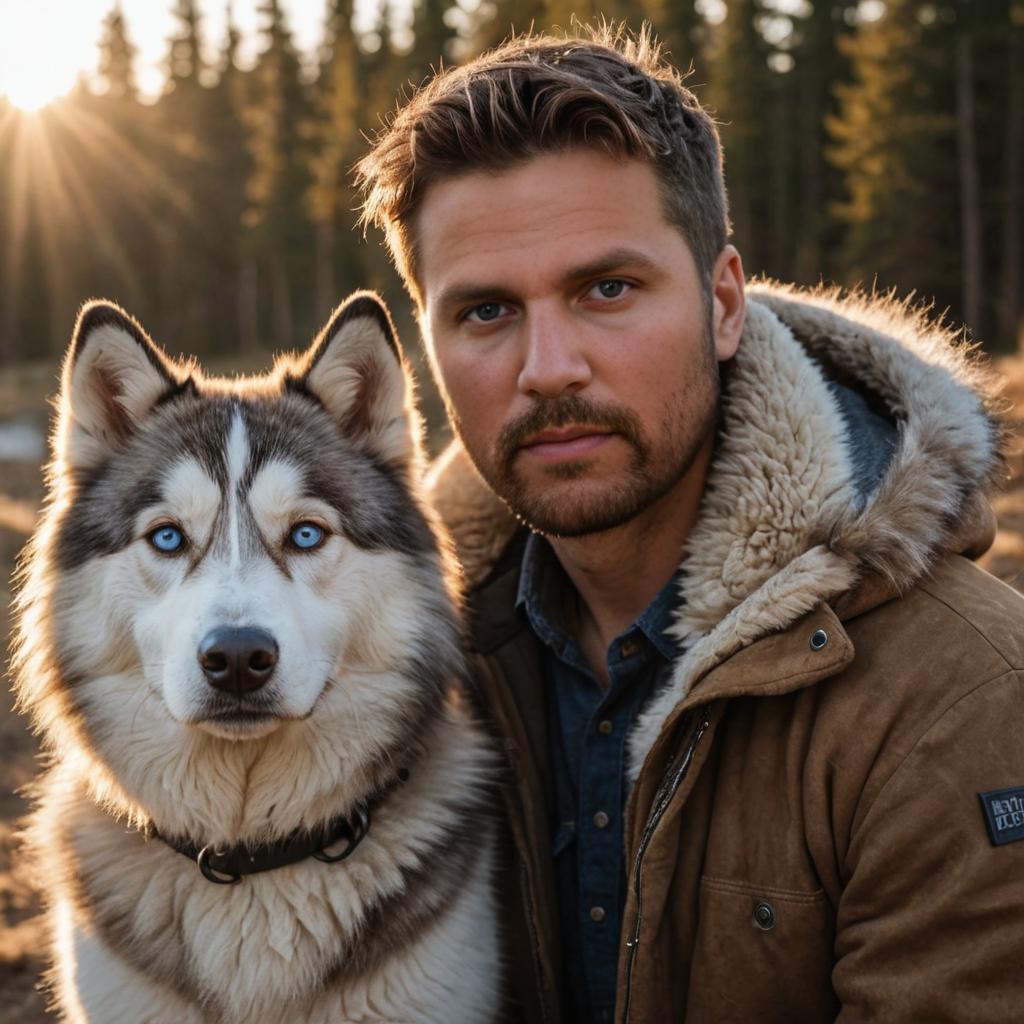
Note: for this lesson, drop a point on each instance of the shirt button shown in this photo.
(601, 819)
(629, 648)
(604, 727)
(597, 913)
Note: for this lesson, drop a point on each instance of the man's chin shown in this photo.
(575, 518)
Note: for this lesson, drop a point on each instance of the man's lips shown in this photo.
(567, 443)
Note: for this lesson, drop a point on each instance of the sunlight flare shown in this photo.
(40, 54)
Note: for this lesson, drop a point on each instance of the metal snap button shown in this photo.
(597, 913)
(818, 639)
(604, 727)
(629, 647)
(601, 819)
(764, 916)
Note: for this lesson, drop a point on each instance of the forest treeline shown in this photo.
(866, 142)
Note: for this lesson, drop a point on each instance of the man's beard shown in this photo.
(654, 468)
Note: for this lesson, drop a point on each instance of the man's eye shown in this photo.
(485, 312)
(610, 289)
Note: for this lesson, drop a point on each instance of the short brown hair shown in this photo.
(540, 94)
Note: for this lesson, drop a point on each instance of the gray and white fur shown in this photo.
(365, 684)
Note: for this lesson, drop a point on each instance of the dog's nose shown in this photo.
(238, 659)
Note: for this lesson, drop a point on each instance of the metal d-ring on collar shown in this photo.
(353, 832)
(227, 866)
(203, 860)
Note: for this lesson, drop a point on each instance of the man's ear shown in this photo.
(356, 370)
(113, 376)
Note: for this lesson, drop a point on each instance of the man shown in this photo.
(761, 716)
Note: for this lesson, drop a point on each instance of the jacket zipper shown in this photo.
(673, 780)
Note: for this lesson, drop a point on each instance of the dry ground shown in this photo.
(21, 937)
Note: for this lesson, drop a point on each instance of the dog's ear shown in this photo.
(113, 376)
(356, 370)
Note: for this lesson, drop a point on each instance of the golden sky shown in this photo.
(46, 44)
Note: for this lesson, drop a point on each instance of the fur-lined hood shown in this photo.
(785, 522)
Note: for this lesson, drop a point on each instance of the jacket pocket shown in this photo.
(762, 954)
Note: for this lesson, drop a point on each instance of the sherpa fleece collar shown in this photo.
(782, 527)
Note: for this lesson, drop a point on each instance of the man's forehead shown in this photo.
(555, 214)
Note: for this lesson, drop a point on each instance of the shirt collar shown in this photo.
(540, 595)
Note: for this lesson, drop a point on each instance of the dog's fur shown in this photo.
(367, 684)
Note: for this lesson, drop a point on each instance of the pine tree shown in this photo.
(380, 69)
(334, 133)
(1011, 305)
(239, 275)
(743, 96)
(278, 185)
(496, 21)
(188, 152)
(894, 139)
(816, 186)
(681, 29)
(432, 40)
(967, 164)
(125, 186)
(117, 58)
(184, 59)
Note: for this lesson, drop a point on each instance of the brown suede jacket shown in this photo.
(807, 834)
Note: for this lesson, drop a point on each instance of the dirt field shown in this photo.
(21, 936)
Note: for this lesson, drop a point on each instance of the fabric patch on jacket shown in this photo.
(1004, 814)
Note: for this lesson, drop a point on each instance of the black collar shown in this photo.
(228, 865)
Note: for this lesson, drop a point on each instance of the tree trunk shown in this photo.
(10, 325)
(1011, 327)
(809, 117)
(780, 247)
(280, 302)
(248, 305)
(970, 217)
(326, 299)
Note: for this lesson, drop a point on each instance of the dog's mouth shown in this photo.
(240, 721)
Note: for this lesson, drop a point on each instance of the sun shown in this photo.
(42, 50)
(32, 93)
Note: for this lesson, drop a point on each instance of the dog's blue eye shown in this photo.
(306, 536)
(167, 539)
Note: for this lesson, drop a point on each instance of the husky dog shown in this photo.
(238, 636)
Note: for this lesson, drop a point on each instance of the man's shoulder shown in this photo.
(992, 610)
(953, 640)
(957, 617)
(932, 693)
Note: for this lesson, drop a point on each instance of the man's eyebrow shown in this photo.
(607, 263)
(466, 294)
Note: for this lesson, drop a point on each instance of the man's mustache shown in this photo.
(551, 413)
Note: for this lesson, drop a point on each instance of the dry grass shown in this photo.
(22, 393)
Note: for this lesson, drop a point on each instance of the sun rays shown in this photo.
(71, 177)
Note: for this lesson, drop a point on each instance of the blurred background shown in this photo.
(191, 160)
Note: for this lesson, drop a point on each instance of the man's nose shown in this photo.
(555, 360)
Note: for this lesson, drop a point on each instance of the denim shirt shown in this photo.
(589, 728)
